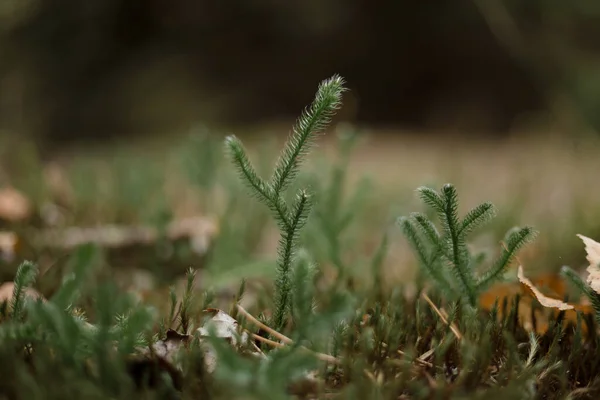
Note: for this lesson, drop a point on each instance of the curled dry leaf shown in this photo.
(542, 298)
(224, 326)
(553, 306)
(14, 206)
(592, 248)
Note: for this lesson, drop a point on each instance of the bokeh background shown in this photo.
(500, 97)
(120, 67)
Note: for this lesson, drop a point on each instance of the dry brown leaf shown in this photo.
(498, 292)
(592, 248)
(509, 291)
(542, 298)
(551, 284)
(545, 289)
(14, 206)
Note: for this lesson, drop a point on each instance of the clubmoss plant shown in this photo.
(445, 257)
(290, 218)
(341, 339)
(584, 288)
(25, 277)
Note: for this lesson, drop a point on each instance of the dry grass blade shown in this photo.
(259, 324)
(283, 338)
(443, 316)
(418, 360)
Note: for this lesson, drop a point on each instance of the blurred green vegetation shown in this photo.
(362, 181)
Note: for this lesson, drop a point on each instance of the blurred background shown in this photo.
(128, 67)
(100, 100)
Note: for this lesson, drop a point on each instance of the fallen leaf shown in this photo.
(14, 206)
(546, 289)
(542, 298)
(550, 284)
(224, 325)
(538, 322)
(592, 248)
(498, 293)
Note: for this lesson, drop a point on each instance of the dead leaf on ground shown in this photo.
(224, 325)
(498, 292)
(554, 304)
(546, 289)
(592, 248)
(14, 206)
(542, 298)
(551, 285)
(538, 322)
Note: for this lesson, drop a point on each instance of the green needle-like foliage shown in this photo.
(26, 274)
(444, 255)
(290, 218)
(312, 121)
(576, 280)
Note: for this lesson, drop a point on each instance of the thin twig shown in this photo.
(443, 316)
(256, 322)
(370, 375)
(428, 353)
(418, 360)
(256, 348)
(267, 341)
(283, 338)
